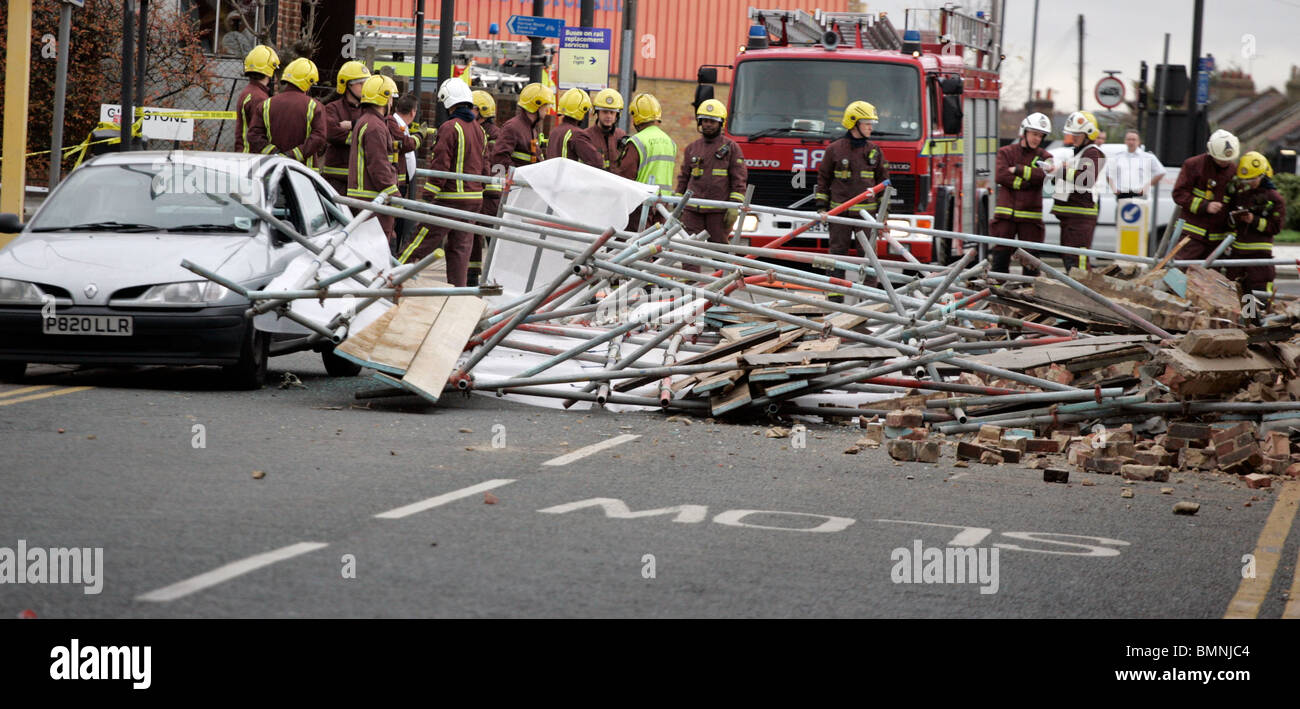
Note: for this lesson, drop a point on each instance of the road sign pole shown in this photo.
(535, 61)
(418, 78)
(60, 92)
(627, 55)
(446, 31)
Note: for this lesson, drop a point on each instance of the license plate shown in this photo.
(818, 228)
(116, 325)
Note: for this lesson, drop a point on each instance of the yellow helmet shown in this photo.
(534, 96)
(262, 60)
(302, 73)
(712, 110)
(858, 111)
(1253, 165)
(486, 105)
(575, 103)
(350, 72)
(1082, 123)
(378, 90)
(646, 108)
(608, 100)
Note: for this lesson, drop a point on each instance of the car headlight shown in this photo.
(185, 293)
(12, 292)
(749, 222)
(897, 234)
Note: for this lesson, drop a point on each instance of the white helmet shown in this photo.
(1036, 122)
(453, 92)
(1224, 146)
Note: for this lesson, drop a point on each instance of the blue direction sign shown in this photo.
(1205, 66)
(1130, 213)
(531, 26)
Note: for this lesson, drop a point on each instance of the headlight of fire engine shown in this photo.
(898, 222)
(185, 293)
(12, 292)
(749, 223)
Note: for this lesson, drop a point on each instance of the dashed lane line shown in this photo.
(229, 571)
(593, 448)
(413, 508)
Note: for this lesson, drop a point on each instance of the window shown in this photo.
(809, 95)
(233, 27)
(314, 219)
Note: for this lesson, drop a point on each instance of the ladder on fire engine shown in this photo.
(397, 34)
(799, 28)
(957, 32)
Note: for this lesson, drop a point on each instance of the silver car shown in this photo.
(95, 276)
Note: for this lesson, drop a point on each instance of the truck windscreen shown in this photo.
(799, 97)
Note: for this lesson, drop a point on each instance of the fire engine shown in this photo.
(935, 87)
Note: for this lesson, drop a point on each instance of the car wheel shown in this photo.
(336, 366)
(250, 371)
(12, 371)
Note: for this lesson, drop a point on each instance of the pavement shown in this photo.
(304, 502)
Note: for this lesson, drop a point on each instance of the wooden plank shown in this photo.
(770, 374)
(723, 381)
(435, 360)
(357, 348)
(779, 359)
(738, 397)
(719, 351)
(1030, 357)
(786, 388)
(399, 343)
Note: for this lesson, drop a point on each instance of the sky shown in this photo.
(1257, 36)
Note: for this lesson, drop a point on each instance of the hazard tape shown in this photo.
(201, 115)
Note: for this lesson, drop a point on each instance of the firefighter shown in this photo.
(712, 168)
(340, 114)
(852, 165)
(1257, 217)
(291, 122)
(649, 155)
(259, 67)
(1204, 190)
(459, 148)
(569, 138)
(516, 145)
(605, 132)
(486, 108)
(370, 173)
(1078, 210)
(1020, 170)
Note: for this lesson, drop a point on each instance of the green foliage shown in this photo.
(1289, 187)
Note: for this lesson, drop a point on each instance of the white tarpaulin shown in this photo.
(572, 191)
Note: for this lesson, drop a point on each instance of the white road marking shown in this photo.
(422, 505)
(229, 571)
(957, 476)
(593, 448)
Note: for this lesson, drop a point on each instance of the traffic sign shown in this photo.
(1205, 65)
(584, 57)
(1109, 92)
(1130, 213)
(532, 26)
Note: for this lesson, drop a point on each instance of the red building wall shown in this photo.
(674, 37)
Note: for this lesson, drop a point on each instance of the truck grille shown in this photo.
(772, 189)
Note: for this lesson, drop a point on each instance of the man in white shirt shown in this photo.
(1134, 171)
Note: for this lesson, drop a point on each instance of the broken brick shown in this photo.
(1214, 343)
(1042, 445)
(927, 451)
(1157, 473)
(902, 450)
(990, 458)
(1256, 480)
(1056, 475)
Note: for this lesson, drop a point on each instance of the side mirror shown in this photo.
(952, 115)
(707, 75)
(10, 224)
(951, 85)
(703, 92)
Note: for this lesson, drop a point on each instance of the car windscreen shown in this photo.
(809, 96)
(163, 196)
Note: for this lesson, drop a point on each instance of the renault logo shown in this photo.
(90, 290)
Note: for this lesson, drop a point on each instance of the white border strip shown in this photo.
(422, 505)
(229, 571)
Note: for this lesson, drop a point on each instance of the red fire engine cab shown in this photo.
(935, 88)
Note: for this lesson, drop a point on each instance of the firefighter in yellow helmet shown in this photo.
(604, 131)
(649, 156)
(259, 67)
(291, 122)
(370, 172)
(713, 167)
(852, 165)
(1075, 205)
(341, 112)
(569, 139)
(516, 145)
(1258, 213)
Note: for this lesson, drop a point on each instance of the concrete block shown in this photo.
(1214, 343)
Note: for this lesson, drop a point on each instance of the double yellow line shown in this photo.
(32, 393)
(1268, 553)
